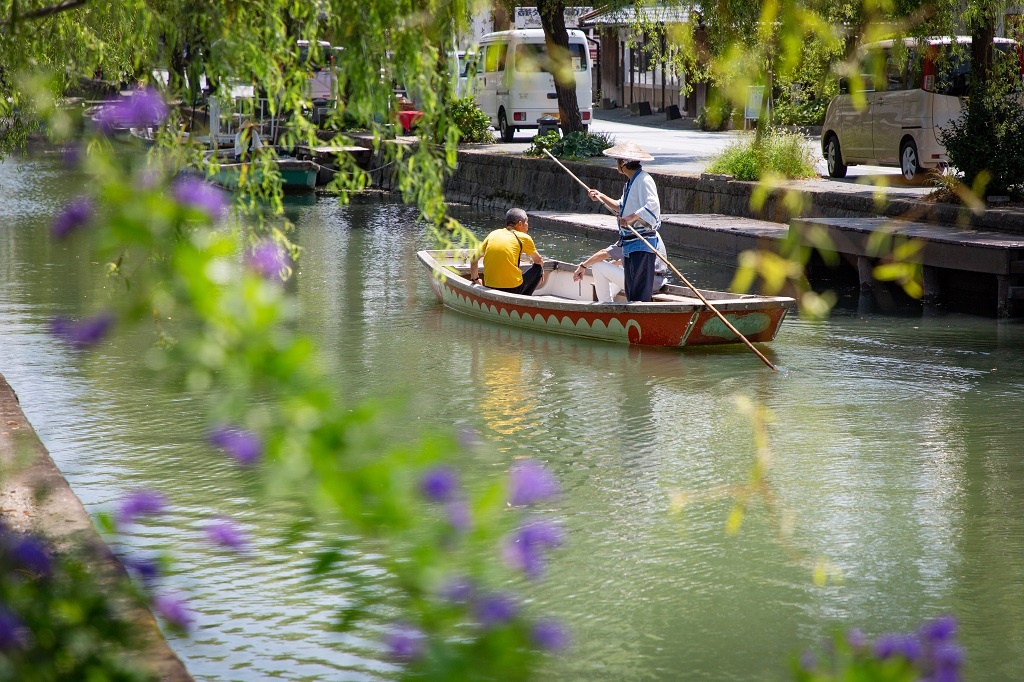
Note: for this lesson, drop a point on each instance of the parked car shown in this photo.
(904, 109)
(515, 86)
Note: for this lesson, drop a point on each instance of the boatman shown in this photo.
(501, 250)
(639, 206)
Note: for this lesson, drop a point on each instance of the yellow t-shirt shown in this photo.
(501, 251)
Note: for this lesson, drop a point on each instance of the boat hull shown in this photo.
(295, 175)
(646, 324)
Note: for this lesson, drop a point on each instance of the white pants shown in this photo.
(609, 279)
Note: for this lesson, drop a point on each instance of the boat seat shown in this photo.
(674, 298)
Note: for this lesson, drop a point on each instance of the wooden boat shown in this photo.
(296, 174)
(675, 317)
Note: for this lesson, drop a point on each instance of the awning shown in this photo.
(656, 13)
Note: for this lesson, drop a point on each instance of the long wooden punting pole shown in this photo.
(678, 274)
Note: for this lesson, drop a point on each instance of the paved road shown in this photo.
(678, 146)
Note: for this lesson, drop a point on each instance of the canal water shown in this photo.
(896, 441)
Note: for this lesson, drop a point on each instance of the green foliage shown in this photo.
(810, 113)
(986, 143)
(780, 153)
(63, 623)
(577, 145)
(717, 116)
(473, 124)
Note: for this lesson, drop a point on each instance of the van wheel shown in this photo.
(910, 165)
(834, 158)
(507, 134)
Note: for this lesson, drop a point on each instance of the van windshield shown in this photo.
(533, 57)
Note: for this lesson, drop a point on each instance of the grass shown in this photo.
(780, 153)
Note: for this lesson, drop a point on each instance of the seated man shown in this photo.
(501, 251)
(247, 142)
(609, 276)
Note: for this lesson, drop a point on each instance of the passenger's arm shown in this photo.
(596, 258)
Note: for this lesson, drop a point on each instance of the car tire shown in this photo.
(910, 163)
(834, 158)
(507, 133)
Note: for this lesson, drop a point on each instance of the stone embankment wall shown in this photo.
(35, 497)
(495, 181)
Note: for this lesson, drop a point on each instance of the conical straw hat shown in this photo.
(628, 151)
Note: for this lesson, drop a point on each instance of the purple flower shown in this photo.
(172, 609)
(140, 503)
(268, 259)
(550, 635)
(226, 533)
(495, 609)
(459, 590)
(405, 642)
(947, 657)
(897, 644)
(243, 445)
(12, 631)
(145, 108)
(458, 515)
(941, 629)
(201, 195)
(148, 569)
(85, 333)
(75, 215)
(530, 483)
(808, 661)
(856, 639)
(29, 554)
(439, 484)
(524, 549)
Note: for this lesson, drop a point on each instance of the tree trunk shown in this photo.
(552, 18)
(983, 30)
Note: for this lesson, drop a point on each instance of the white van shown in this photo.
(513, 83)
(905, 109)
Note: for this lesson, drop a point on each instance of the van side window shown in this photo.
(915, 71)
(894, 76)
(494, 60)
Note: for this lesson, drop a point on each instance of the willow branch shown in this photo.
(42, 12)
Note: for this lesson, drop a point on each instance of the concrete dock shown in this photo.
(35, 497)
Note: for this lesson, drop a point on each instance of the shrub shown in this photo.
(474, 124)
(575, 145)
(779, 152)
(717, 116)
(810, 113)
(988, 139)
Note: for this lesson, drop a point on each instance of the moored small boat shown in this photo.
(296, 174)
(675, 318)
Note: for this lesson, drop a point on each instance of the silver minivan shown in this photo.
(898, 121)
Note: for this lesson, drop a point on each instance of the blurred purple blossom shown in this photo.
(140, 503)
(940, 629)
(405, 642)
(173, 610)
(898, 644)
(947, 658)
(12, 631)
(856, 639)
(530, 483)
(245, 446)
(495, 609)
(147, 568)
(808, 661)
(30, 554)
(458, 515)
(550, 635)
(72, 154)
(226, 533)
(145, 108)
(74, 216)
(458, 590)
(268, 259)
(439, 484)
(525, 549)
(84, 333)
(199, 194)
